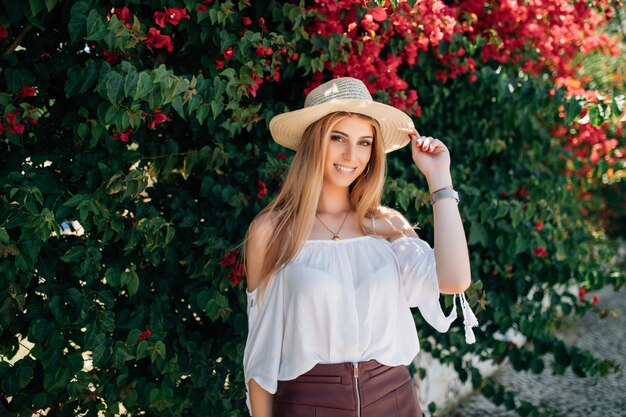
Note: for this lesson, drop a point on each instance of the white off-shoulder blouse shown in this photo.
(344, 301)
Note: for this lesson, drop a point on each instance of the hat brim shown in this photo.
(287, 128)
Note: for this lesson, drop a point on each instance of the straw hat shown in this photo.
(347, 95)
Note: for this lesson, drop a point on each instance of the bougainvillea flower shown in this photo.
(173, 16)
(246, 21)
(539, 226)
(124, 135)
(540, 252)
(123, 14)
(17, 128)
(228, 53)
(156, 40)
(27, 91)
(262, 190)
(11, 117)
(145, 334)
(157, 118)
(3, 32)
(379, 14)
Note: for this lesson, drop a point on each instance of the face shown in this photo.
(348, 151)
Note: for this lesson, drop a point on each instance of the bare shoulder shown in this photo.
(390, 222)
(259, 235)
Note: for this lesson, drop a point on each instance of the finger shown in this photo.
(426, 144)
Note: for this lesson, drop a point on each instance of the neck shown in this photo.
(334, 200)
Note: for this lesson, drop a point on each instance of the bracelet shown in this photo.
(444, 192)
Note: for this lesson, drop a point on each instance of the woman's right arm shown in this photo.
(261, 401)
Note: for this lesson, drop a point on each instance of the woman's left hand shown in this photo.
(430, 155)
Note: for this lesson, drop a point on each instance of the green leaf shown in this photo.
(96, 29)
(78, 17)
(478, 234)
(115, 87)
(24, 375)
(50, 4)
(36, 6)
(202, 112)
(121, 354)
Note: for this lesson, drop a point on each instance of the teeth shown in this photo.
(344, 169)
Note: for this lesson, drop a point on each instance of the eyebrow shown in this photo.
(362, 137)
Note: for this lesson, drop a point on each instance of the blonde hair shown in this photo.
(292, 211)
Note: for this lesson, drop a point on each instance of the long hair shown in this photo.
(292, 211)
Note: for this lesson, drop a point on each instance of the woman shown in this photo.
(332, 274)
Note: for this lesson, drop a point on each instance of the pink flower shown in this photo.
(173, 16)
(539, 226)
(145, 334)
(154, 38)
(219, 64)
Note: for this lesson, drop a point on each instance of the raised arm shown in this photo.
(453, 266)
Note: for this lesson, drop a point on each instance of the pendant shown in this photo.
(336, 237)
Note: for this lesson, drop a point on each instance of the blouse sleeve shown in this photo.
(418, 271)
(261, 358)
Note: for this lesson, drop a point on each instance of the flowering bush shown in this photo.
(143, 125)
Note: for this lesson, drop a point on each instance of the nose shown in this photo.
(349, 152)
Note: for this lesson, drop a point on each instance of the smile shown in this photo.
(343, 169)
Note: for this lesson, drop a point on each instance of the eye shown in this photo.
(336, 138)
(366, 143)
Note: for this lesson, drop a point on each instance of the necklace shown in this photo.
(335, 235)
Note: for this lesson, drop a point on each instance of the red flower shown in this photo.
(252, 88)
(581, 293)
(157, 118)
(3, 32)
(281, 156)
(522, 192)
(11, 117)
(110, 57)
(154, 38)
(595, 300)
(145, 334)
(246, 21)
(228, 53)
(261, 51)
(123, 14)
(219, 64)
(379, 14)
(539, 226)
(237, 272)
(27, 91)
(201, 8)
(262, 190)
(229, 258)
(124, 136)
(16, 128)
(173, 16)
(2, 129)
(540, 252)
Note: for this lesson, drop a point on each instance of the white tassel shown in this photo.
(469, 320)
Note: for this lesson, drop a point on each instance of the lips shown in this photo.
(344, 169)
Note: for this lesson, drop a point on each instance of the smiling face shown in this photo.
(348, 151)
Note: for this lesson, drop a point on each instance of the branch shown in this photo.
(17, 40)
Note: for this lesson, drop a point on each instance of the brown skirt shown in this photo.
(345, 390)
